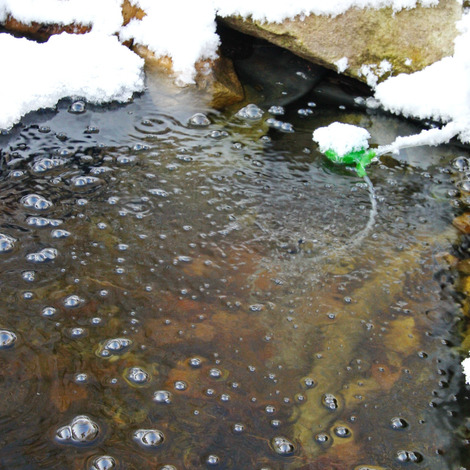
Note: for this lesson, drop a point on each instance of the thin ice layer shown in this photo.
(341, 138)
(93, 66)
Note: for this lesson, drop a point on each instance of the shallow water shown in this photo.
(207, 296)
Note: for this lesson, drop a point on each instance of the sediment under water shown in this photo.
(193, 296)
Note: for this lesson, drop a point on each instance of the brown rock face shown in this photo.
(215, 78)
(462, 222)
(42, 31)
(422, 35)
(130, 12)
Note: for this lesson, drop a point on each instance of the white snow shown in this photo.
(342, 64)
(373, 72)
(436, 136)
(267, 10)
(103, 15)
(466, 369)
(185, 31)
(440, 92)
(182, 30)
(341, 138)
(93, 66)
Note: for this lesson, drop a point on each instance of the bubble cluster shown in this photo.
(113, 347)
(43, 222)
(81, 378)
(138, 376)
(304, 112)
(7, 243)
(104, 462)
(59, 233)
(238, 428)
(342, 431)
(81, 431)
(195, 362)
(251, 112)
(162, 396)
(215, 373)
(35, 201)
(276, 110)
(48, 312)
(73, 301)
(280, 125)
(28, 276)
(180, 385)
(212, 460)
(149, 438)
(217, 135)
(159, 192)
(398, 423)
(322, 438)
(329, 401)
(80, 181)
(45, 164)
(7, 339)
(77, 332)
(461, 163)
(77, 107)
(405, 456)
(282, 446)
(199, 120)
(46, 254)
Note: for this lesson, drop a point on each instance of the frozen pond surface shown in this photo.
(194, 296)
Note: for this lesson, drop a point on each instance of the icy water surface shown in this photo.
(203, 295)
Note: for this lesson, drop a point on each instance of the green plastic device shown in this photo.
(360, 158)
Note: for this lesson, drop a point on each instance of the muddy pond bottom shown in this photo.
(181, 294)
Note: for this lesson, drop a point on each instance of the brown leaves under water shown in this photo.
(63, 394)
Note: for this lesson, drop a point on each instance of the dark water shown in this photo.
(207, 297)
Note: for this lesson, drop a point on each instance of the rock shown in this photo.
(221, 81)
(462, 222)
(130, 12)
(277, 75)
(410, 39)
(216, 79)
(463, 267)
(41, 31)
(464, 287)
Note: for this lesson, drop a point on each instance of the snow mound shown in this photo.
(266, 10)
(93, 66)
(440, 92)
(102, 15)
(186, 33)
(341, 138)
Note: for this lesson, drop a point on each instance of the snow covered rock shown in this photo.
(215, 77)
(375, 42)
